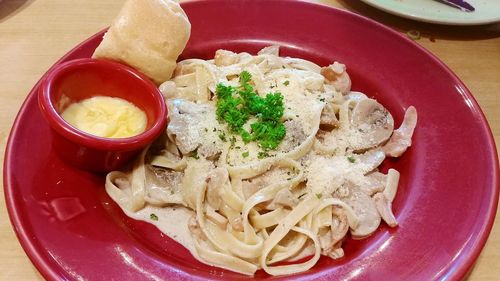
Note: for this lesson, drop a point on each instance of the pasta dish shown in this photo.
(267, 162)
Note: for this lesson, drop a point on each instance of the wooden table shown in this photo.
(34, 34)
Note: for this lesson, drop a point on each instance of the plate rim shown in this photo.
(433, 20)
(49, 271)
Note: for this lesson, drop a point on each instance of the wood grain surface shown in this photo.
(36, 33)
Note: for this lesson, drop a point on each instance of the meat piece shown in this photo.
(401, 138)
(384, 208)
(337, 76)
(168, 89)
(328, 119)
(270, 50)
(301, 64)
(225, 58)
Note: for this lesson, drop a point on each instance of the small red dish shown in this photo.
(81, 79)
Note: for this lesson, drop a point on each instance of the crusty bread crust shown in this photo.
(147, 35)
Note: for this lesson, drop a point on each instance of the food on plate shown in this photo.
(147, 35)
(267, 162)
(108, 117)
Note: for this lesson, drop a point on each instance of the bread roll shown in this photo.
(147, 35)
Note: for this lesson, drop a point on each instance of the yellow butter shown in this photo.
(107, 117)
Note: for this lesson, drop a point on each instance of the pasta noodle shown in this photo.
(252, 210)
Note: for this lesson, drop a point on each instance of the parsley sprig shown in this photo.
(235, 105)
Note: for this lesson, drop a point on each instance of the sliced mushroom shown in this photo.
(186, 128)
(294, 136)
(373, 122)
(163, 186)
(337, 76)
(375, 183)
(370, 160)
(391, 186)
(331, 240)
(384, 208)
(401, 139)
(339, 226)
(365, 209)
(182, 128)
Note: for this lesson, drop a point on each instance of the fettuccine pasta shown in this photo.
(240, 207)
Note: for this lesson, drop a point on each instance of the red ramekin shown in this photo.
(85, 78)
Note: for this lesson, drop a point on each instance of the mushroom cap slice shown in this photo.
(374, 123)
(365, 209)
(370, 160)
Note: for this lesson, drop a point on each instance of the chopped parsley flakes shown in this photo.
(235, 106)
(351, 159)
(153, 217)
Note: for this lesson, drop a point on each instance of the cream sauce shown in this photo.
(172, 221)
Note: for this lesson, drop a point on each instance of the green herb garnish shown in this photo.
(245, 154)
(235, 106)
(319, 195)
(351, 159)
(153, 217)
(262, 155)
(286, 83)
(222, 137)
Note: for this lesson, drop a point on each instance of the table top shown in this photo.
(35, 34)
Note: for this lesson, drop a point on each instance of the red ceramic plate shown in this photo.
(448, 192)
